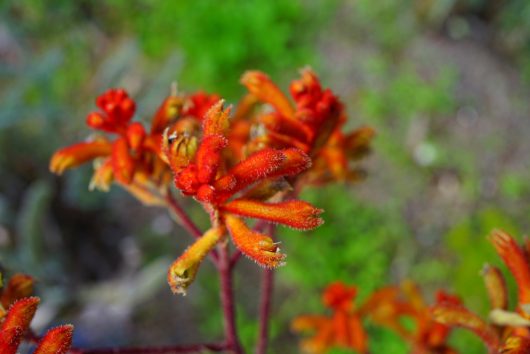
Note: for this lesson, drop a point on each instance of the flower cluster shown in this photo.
(342, 329)
(15, 321)
(389, 306)
(386, 307)
(249, 164)
(508, 331)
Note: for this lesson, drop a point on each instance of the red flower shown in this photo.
(14, 324)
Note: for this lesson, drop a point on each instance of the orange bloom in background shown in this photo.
(312, 124)
(388, 306)
(342, 329)
(15, 322)
(507, 332)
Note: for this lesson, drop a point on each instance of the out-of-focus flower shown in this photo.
(342, 329)
(15, 322)
(388, 306)
(312, 124)
(506, 332)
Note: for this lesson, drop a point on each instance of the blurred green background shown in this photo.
(444, 82)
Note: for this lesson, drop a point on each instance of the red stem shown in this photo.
(227, 300)
(194, 348)
(267, 282)
(182, 216)
(185, 220)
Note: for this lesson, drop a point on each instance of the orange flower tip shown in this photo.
(135, 135)
(260, 85)
(56, 341)
(256, 246)
(216, 119)
(183, 271)
(21, 313)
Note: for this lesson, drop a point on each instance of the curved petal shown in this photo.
(258, 247)
(294, 213)
(77, 154)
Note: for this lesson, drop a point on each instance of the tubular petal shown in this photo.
(77, 154)
(135, 136)
(208, 157)
(459, 316)
(256, 167)
(496, 287)
(294, 213)
(216, 120)
(56, 341)
(286, 126)
(21, 313)
(515, 259)
(182, 272)
(258, 247)
(261, 86)
(122, 162)
(19, 286)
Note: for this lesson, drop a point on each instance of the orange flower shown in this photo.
(342, 329)
(15, 322)
(507, 331)
(228, 190)
(389, 305)
(131, 155)
(313, 124)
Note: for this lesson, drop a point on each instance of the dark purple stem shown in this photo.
(267, 282)
(227, 300)
(185, 220)
(194, 348)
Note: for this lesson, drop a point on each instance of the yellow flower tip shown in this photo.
(180, 276)
(183, 271)
(178, 149)
(77, 154)
(61, 162)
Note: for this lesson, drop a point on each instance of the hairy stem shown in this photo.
(227, 300)
(267, 282)
(193, 348)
